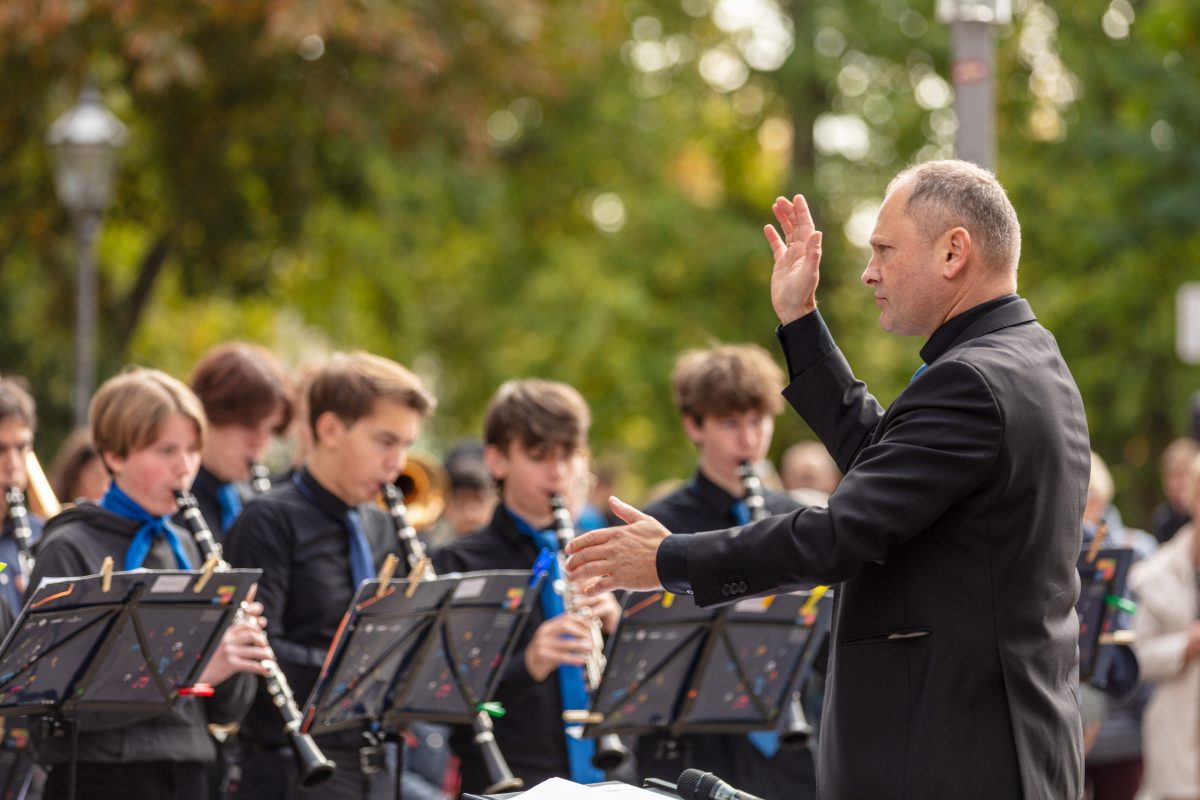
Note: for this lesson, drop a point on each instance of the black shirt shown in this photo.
(531, 734)
(300, 539)
(702, 505)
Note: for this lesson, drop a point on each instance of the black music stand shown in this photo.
(1102, 584)
(676, 668)
(123, 642)
(432, 651)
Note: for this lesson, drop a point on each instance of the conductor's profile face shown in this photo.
(903, 271)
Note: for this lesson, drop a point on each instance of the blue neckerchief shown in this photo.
(123, 505)
(765, 742)
(571, 687)
(362, 565)
(231, 504)
(920, 369)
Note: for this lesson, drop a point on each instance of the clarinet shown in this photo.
(260, 478)
(22, 533)
(794, 730)
(611, 752)
(312, 766)
(499, 773)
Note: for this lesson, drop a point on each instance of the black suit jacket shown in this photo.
(953, 537)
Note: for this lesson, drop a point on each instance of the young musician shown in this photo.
(317, 537)
(534, 431)
(728, 398)
(247, 400)
(149, 429)
(18, 422)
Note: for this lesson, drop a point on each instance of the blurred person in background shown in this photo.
(247, 399)
(809, 474)
(1167, 629)
(1113, 766)
(470, 501)
(77, 470)
(1172, 513)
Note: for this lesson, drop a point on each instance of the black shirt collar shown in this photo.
(321, 497)
(711, 494)
(945, 336)
(206, 481)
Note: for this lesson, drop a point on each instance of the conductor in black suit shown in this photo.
(953, 536)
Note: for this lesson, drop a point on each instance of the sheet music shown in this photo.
(560, 789)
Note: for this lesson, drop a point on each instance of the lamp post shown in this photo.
(84, 141)
(972, 71)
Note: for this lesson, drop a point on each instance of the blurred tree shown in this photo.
(486, 189)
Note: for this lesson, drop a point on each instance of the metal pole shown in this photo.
(973, 72)
(87, 229)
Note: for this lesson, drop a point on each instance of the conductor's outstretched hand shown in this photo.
(797, 259)
(623, 557)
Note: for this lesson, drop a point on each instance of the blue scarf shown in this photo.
(571, 686)
(230, 503)
(123, 505)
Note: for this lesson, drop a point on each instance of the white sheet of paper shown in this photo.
(559, 789)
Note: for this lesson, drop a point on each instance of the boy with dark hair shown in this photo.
(728, 398)
(149, 429)
(247, 399)
(317, 537)
(18, 423)
(534, 432)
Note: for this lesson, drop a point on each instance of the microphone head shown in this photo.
(689, 783)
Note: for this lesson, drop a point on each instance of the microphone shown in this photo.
(696, 785)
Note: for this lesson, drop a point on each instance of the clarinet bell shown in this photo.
(795, 730)
(611, 752)
(313, 768)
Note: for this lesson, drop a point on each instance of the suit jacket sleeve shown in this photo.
(934, 447)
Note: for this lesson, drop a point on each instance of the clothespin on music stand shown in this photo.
(815, 597)
(414, 577)
(385, 573)
(106, 571)
(582, 717)
(209, 567)
(1094, 550)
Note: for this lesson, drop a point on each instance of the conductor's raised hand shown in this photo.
(624, 557)
(797, 252)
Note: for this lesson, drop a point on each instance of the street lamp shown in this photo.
(972, 72)
(84, 141)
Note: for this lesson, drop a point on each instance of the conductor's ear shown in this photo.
(956, 250)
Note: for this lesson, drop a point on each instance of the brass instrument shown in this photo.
(424, 484)
(794, 730)
(611, 752)
(22, 534)
(312, 766)
(413, 551)
(42, 500)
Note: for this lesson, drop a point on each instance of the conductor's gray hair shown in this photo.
(950, 193)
